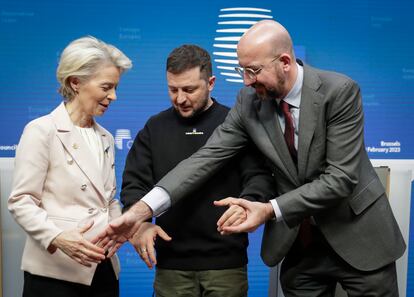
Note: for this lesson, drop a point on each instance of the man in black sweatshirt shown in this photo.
(197, 261)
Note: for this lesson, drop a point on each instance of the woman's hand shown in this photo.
(73, 244)
(144, 241)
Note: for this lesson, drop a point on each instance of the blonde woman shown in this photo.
(64, 181)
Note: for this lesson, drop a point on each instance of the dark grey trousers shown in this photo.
(315, 270)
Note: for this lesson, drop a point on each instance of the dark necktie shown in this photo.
(289, 130)
(305, 230)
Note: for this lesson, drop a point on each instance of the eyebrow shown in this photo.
(253, 67)
(108, 83)
(183, 87)
(249, 66)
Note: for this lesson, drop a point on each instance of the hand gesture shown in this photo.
(73, 244)
(144, 241)
(123, 228)
(257, 213)
(233, 216)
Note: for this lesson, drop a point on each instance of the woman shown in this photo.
(64, 180)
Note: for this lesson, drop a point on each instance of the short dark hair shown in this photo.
(189, 56)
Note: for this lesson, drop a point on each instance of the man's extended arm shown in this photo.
(340, 173)
(226, 141)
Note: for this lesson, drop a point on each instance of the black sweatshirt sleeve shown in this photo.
(137, 178)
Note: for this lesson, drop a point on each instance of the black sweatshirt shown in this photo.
(167, 139)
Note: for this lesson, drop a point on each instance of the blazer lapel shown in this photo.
(108, 161)
(267, 112)
(308, 115)
(76, 147)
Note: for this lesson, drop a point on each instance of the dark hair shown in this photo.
(189, 56)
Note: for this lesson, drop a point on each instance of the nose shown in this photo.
(112, 95)
(181, 98)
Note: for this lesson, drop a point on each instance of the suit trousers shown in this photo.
(104, 284)
(315, 270)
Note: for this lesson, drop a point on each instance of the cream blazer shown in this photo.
(58, 186)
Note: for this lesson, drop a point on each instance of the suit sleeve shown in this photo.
(30, 172)
(258, 183)
(137, 178)
(226, 141)
(344, 146)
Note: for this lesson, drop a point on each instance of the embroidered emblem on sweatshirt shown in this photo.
(194, 132)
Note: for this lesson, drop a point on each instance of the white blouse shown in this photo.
(93, 140)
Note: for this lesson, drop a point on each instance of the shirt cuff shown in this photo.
(158, 200)
(276, 209)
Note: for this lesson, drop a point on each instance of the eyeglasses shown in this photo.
(251, 73)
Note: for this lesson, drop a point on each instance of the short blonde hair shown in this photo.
(81, 59)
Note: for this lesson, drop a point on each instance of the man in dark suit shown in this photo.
(331, 221)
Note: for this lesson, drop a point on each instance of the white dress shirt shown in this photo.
(293, 99)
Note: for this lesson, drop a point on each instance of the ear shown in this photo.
(286, 60)
(211, 83)
(74, 83)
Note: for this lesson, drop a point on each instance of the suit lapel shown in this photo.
(309, 112)
(267, 112)
(76, 147)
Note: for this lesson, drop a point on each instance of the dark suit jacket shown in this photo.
(334, 182)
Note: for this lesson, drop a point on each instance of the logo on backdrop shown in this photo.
(120, 136)
(233, 22)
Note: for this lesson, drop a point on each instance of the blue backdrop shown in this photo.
(371, 41)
